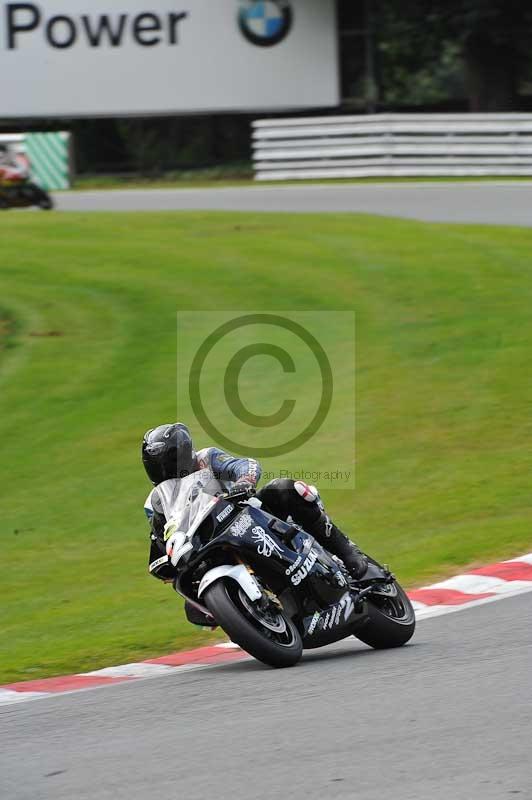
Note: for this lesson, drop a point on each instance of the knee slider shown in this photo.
(308, 493)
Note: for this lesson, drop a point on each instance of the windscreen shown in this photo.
(186, 502)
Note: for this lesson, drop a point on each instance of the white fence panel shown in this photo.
(382, 145)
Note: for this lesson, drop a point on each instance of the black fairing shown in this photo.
(287, 560)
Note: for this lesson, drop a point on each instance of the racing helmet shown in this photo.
(167, 452)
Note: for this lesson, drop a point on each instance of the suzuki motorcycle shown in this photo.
(24, 195)
(269, 584)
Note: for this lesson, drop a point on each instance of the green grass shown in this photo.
(240, 174)
(238, 178)
(87, 363)
(110, 183)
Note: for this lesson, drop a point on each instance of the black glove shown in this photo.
(242, 488)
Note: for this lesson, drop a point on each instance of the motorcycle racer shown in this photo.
(11, 170)
(168, 453)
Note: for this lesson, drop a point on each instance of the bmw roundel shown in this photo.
(265, 22)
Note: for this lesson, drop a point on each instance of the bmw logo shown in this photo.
(265, 22)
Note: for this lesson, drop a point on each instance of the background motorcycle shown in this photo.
(18, 192)
(269, 584)
(24, 196)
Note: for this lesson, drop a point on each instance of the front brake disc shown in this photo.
(270, 620)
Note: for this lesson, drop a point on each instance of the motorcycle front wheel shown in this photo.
(269, 636)
(46, 203)
(38, 197)
(391, 619)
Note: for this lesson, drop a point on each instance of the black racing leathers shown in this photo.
(159, 565)
(287, 498)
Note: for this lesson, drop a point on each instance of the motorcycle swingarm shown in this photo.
(384, 586)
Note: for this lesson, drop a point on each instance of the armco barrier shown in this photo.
(392, 145)
(48, 154)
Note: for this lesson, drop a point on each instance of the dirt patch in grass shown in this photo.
(7, 330)
(46, 334)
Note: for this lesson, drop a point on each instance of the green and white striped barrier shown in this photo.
(49, 157)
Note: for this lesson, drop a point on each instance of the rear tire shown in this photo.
(223, 601)
(391, 622)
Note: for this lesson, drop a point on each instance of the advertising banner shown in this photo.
(74, 58)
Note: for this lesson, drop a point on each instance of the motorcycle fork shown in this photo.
(268, 597)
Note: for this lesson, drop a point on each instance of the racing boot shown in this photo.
(311, 513)
(332, 538)
(301, 503)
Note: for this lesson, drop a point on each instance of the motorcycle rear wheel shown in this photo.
(391, 620)
(271, 638)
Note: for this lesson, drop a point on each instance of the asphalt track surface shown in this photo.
(496, 203)
(447, 716)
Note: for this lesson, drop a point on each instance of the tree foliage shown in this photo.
(489, 42)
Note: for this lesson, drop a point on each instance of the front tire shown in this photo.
(234, 612)
(46, 203)
(39, 197)
(391, 620)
